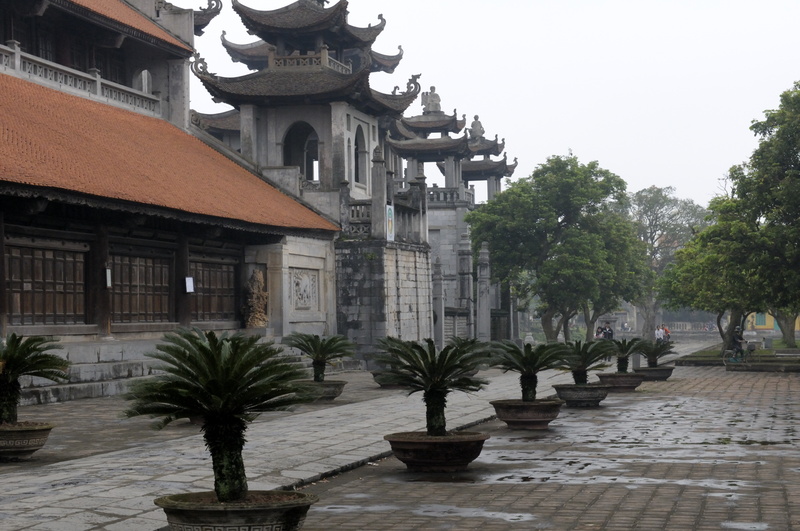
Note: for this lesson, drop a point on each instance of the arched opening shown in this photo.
(360, 157)
(301, 148)
(143, 81)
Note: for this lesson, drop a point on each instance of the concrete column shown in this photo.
(438, 305)
(484, 318)
(249, 131)
(379, 199)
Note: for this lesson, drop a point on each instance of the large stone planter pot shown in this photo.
(377, 376)
(19, 441)
(426, 453)
(655, 374)
(521, 415)
(588, 395)
(265, 510)
(327, 390)
(621, 382)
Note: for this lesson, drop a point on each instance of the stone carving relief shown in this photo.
(256, 298)
(305, 289)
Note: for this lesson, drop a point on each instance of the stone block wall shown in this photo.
(383, 288)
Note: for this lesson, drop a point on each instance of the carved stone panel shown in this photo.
(305, 289)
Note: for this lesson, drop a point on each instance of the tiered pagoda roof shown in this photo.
(305, 84)
(299, 25)
(307, 55)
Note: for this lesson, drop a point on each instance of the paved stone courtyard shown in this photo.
(706, 450)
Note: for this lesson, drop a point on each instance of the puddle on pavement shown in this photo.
(745, 526)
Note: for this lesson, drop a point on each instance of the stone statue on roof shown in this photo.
(431, 102)
(476, 129)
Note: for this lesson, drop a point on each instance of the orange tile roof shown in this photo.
(120, 11)
(55, 140)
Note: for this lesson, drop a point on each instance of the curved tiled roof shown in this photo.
(278, 86)
(481, 169)
(223, 121)
(204, 16)
(55, 141)
(435, 122)
(305, 19)
(482, 146)
(282, 86)
(253, 55)
(386, 63)
(431, 149)
(122, 13)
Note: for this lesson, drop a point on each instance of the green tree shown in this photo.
(557, 236)
(768, 188)
(664, 224)
(717, 271)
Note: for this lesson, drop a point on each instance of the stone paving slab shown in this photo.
(111, 483)
(707, 450)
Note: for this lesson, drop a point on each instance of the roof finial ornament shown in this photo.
(199, 66)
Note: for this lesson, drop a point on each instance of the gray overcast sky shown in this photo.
(660, 92)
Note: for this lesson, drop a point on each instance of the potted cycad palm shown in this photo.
(25, 356)
(622, 380)
(580, 357)
(527, 360)
(422, 368)
(322, 351)
(653, 351)
(225, 381)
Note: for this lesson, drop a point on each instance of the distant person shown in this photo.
(598, 334)
(608, 332)
(659, 335)
(738, 340)
(666, 332)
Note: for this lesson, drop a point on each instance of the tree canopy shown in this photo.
(749, 260)
(561, 235)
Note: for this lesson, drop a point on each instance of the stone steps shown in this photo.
(109, 367)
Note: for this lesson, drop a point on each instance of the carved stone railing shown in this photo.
(360, 223)
(16, 62)
(318, 61)
(450, 195)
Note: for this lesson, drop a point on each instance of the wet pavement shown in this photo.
(705, 450)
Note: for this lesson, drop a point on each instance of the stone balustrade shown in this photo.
(308, 62)
(450, 195)
(24, 65)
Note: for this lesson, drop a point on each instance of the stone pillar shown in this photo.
(99, 290)
(465, 282)
(379, 199)
(484, 318)
(178, 92)
(419, 222)
(513, 319)
(335, 174)
(452, 177)
(438, 305)
(249, 132)
(183, 299)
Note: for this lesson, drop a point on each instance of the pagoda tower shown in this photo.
(309, 121)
